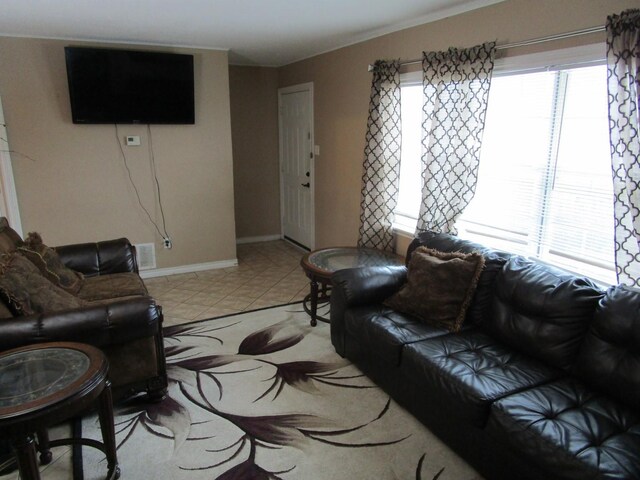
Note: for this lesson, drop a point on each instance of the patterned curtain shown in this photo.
(456, 88)
(623, 63)
(381, 158)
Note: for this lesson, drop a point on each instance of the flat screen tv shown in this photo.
(126, 86)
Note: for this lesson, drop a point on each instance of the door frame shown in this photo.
(302, 87)
(10, 196)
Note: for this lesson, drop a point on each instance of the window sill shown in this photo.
(404, 225)
(403, 231)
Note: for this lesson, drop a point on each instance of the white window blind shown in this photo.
(544, 187)
(410, 161)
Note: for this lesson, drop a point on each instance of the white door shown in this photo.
(296, 163)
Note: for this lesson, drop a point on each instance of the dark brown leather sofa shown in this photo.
(542, 382)
(120, 317)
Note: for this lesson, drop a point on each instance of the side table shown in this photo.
(319, 265)
(44, 384)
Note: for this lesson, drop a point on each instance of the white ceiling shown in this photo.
(256, 32)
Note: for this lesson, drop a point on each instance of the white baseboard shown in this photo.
(263, 238)
(196, 267)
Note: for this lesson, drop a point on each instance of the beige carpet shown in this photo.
(262, 395)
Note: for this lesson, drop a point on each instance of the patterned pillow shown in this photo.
(439, 287)
(26, 291)
(50, 265)
(5, 313)
(9, 238)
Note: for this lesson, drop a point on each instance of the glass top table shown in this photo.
(33, 375)
(44, 384)
(319, 265)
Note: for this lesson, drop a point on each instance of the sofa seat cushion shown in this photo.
(470, 371)
(115, 285)
(383, 332)
(573, 431)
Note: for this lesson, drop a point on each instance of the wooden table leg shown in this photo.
(43, 447)
(105, 414)
(314, 302)
(25, 451)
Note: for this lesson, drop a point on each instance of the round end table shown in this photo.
(319, 265)
(45, 384)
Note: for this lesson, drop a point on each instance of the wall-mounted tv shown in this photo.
(126, 86)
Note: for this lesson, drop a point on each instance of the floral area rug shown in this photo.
(262, 395)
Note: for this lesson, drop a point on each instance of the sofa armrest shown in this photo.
(100, 258)
(117, 322)
(353, 287)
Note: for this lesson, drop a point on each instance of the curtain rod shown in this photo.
(534, 41)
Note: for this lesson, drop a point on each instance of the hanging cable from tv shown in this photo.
(162, 232)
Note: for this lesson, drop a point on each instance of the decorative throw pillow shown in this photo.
(26, 291)
(50, 265)
(5, 312)
(9, 238)
(439, 288)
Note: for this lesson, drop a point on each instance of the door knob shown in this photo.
(306, 184)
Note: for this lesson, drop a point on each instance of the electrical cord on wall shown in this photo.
(152, 159)
(164, 236)
(2, 139)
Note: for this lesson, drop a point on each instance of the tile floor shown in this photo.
(267, 274)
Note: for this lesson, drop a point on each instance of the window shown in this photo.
(544, 184)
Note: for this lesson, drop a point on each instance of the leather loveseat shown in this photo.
(117, 315)
(541, 382)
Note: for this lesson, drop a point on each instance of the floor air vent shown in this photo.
(146, 256)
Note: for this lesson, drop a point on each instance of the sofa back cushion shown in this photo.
(542, 311)
(494, 261)
(609, 358)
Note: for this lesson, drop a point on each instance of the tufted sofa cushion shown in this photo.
(609, 358)
(571, 430)
(542, 311)
(471, 370)
(383, 332)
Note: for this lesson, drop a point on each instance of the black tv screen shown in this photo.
(126, 86)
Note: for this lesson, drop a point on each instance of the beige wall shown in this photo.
(71, 182)
(342, 86)
(254, 127)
